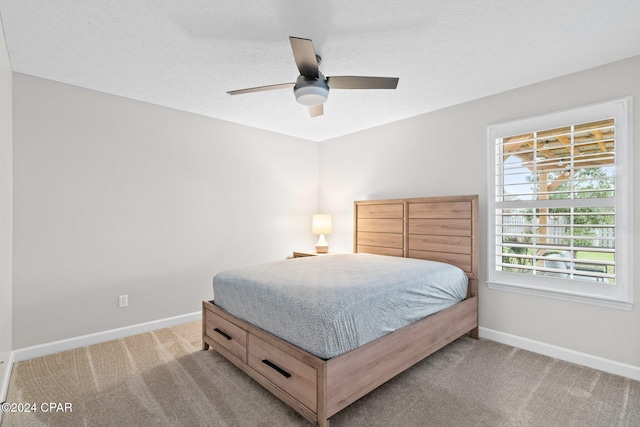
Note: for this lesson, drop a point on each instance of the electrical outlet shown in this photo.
(123, 301)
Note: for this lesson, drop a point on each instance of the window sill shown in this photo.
(563, 296)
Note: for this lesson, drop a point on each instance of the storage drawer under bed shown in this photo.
(233, 338)
(264, 361)
(287, 372)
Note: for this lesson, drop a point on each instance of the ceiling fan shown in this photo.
(311, 87)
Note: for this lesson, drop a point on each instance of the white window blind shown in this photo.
(559, 202)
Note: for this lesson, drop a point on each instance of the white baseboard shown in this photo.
(584, 359)
(113, 334)
(6, 363)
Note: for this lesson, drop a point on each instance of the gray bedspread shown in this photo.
(328, 305)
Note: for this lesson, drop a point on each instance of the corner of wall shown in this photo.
(6, 215)
(6, 364)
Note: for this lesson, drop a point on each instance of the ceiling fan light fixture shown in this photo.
(311, 92)
(311, 95)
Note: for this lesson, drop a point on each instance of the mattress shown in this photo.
(331, 304)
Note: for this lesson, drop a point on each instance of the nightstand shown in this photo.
(301, 254)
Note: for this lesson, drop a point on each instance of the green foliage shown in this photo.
(587, 183)
(512, 254)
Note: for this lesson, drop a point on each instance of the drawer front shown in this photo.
(384, 210)
(284, 370)
(233, 338)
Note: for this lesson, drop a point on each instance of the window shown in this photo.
(560, 205)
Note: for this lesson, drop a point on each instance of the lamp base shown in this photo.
(322, 247)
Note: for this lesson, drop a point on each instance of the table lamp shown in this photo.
(321, 225)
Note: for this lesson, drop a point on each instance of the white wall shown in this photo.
(114, 196)
(445, 153)
(6, 201)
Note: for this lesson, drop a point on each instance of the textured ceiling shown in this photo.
(186, 54)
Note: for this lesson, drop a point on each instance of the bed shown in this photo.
(441, 229)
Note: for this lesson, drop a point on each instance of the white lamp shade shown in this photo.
(321, 224)
(311, 95)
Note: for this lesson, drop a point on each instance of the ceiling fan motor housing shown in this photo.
(310, 91)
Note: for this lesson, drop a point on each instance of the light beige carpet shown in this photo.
(162, 378)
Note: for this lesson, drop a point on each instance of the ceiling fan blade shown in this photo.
(316, 110)
(261, 88)
(360, 82)
(305, 57)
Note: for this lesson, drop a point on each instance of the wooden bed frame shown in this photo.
(436, 228)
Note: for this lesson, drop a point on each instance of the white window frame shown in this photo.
(619, 295)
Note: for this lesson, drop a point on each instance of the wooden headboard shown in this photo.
(434, 228)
